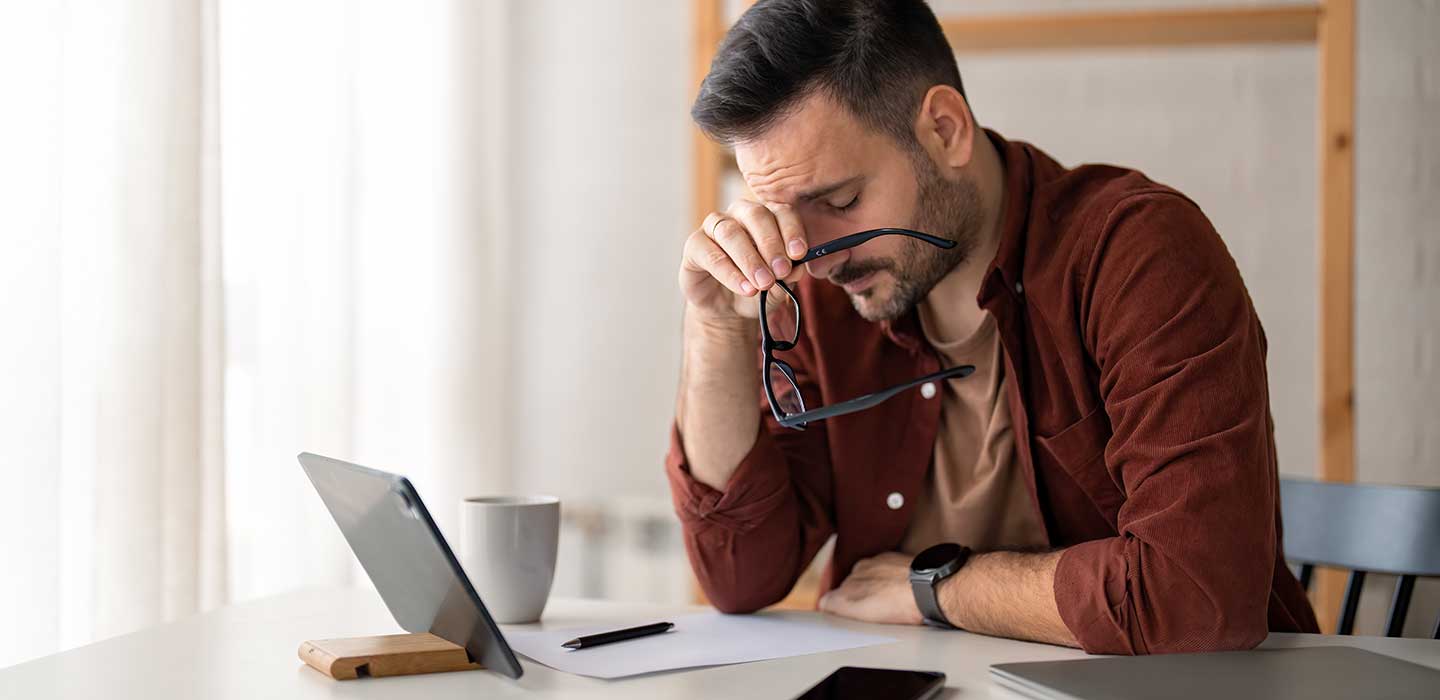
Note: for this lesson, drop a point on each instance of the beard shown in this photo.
(950, 210)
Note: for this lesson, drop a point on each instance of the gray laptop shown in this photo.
(1314, 673)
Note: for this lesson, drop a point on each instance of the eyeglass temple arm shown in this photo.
(855, 239)
(861, 403)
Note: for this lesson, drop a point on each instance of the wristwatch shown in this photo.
(927, 570)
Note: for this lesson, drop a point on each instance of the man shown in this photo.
(1110, 461)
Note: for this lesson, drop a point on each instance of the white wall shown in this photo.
(1397, 260)
(599, 157)
(1397, 241)
(599, 151)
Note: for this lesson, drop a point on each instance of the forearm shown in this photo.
(1007, 594)
(717, 410)
(743, 569)
(748, 542)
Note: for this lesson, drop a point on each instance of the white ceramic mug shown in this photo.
(507, 547)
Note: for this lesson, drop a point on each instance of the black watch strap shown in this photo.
(927, 570)
(929, 604)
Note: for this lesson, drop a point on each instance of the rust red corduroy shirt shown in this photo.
(1141, 415)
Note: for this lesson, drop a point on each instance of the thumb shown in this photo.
(797, 273)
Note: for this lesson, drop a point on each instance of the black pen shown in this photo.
(595, 640)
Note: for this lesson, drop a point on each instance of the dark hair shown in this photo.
(875, 57)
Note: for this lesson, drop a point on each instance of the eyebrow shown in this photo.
(826, 190)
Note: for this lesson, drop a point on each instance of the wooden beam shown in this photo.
(1337, 241)
(1336, 255)
(1147, 28)
(709, 156)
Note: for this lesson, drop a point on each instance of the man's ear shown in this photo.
(945, 128)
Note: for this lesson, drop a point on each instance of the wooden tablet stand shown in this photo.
(385, 655)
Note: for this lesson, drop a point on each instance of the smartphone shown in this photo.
(849, 682)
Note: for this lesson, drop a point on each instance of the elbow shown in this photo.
(1227, 637)
(733, 593)
(1186, 639)
(739, 600)
(1235, 627)
(1126, 597)
(737, 605)
(1238, 634)
(733, 582)
(1178, 623)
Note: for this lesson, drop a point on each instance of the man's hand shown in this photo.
(877, 590)
(727, 262)
(1004, 594)
(736, 254)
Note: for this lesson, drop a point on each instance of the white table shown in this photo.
(248, 651)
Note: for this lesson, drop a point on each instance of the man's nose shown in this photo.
(819, 233)
(822, 267)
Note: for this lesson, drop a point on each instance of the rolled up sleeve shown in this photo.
(1181, 358)
(749, 543)
(759, 487)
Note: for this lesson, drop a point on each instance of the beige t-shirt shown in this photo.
(974, 494)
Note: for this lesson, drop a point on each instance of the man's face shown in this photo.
(842, 177)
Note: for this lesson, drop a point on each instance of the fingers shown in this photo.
(791, 230)
(735, 240)
(764, 229)
(874, 591)
(704, 255)
(849, 601)
(745, 250)
(885, 566)
(824, 603)
(837, 599)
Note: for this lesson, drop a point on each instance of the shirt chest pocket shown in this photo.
(1079, 452)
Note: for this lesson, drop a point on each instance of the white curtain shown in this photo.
(361, 199)
(109, 298)
(155, 391)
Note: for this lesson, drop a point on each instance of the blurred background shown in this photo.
(440, 238)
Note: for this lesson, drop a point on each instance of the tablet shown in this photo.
(407, 558)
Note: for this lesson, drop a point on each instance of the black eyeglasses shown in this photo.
(787, 404)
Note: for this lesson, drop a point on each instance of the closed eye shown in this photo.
(847, 206)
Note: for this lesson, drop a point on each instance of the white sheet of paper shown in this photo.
(701, 639)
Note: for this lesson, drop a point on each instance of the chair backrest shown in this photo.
(1363, 528)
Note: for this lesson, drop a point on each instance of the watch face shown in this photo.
(936, 557)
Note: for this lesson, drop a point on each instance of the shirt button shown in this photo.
(928, 391)
(1019, 288)
(895, 500)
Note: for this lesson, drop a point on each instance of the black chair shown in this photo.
(1382, 529)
